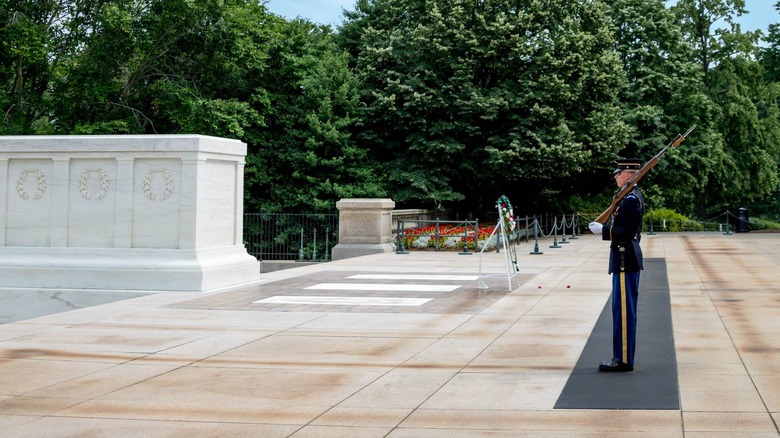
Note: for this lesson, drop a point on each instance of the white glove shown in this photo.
(595, 228)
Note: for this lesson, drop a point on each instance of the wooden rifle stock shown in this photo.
(603, 218)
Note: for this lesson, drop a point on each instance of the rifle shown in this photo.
(626, 189)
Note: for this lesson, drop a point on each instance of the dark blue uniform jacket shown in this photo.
(625, 233)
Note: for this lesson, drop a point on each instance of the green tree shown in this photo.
(737, 161)
(469, 99)
(712, 44)
(306, 158)
(770, 55)
(664, 97)
(215, 67)
(768, 111)
(166, 67)
(748, 122)
(35, 38)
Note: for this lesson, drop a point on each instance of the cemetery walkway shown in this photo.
(393, 345)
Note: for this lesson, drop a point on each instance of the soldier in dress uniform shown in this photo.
(625, 264)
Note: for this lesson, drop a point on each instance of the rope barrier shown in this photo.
(534, 229)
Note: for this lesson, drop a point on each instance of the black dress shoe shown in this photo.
(615, 365)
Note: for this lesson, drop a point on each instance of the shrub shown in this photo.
(757, 223)
(665, 219)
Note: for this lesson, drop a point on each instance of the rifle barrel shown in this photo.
(622, 192)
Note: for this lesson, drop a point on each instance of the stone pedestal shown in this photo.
(364, 227)
(156, 213)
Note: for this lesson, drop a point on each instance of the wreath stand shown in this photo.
(510, 255)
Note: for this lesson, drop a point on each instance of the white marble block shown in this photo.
(130, 212)
(364, 227)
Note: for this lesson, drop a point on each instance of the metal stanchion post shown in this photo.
(536, 242)
(526, 230)
(437, 234)
(652, 232)
(314, 247)
(327, 244)
(574, 222)
(401, 238)
(728, 226)
(555, 231)
(466, 239)
(300, 251)
(563, 230)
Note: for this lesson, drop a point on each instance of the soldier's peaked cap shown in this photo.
(627, 164)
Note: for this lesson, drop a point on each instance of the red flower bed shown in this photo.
(446, 233)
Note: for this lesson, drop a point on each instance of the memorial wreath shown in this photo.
(507, 213)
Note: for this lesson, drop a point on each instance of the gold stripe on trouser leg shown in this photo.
(623, 315)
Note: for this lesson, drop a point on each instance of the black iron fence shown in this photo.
(290, 236)
(311, 237)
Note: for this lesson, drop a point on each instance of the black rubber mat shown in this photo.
(653, 383)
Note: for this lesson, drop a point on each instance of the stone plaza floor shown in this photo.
(404, 345)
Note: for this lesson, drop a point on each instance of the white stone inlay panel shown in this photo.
(92, 203)
(386, 287)
(414, 277)
(29, 209)
(217, 207)
(156, 203)
(345, 301)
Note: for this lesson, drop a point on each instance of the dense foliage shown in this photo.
(433, 103)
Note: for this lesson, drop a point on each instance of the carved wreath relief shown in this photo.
(150, 175)
(85, 175)
(41, 180)
(40, 183)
